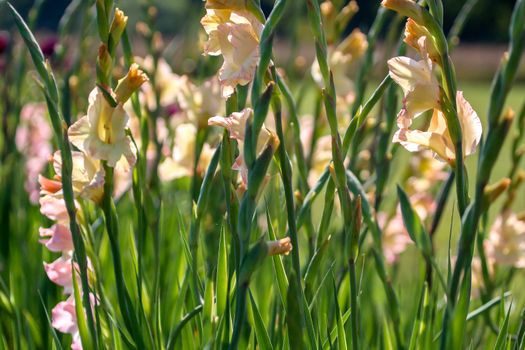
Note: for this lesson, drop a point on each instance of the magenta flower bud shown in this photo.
(4, 41)
(48, 46)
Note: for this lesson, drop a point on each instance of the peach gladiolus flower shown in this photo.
(236, 125)
(420, 86)
(413, 33)
(505, 244)
(408, 8)
(235, 35)
(101, 133)
(437, 137)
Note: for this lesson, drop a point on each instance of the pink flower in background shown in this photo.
(57, 238)
(33, 140)
(5, 39)
(505, 244)
(395, 236)
(60, 272)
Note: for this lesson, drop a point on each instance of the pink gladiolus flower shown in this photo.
(57, 238)
(236, 125)
(60, 272)
(54, 208)
(505, 244)
(64, 316)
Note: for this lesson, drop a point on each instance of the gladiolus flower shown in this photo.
(199, 103)
(60, 272)
(505, 244)
(57, 238)
(54, 208)
(235, 34)
(101, 133)
(437, 137)
(236, 125)
(64, 316)
(87, 175)
(280, 247)
(420, 86)
(182, 160)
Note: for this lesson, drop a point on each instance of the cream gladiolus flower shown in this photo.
(437, 137)
(182, 160)
(235, 34)
(420, 86)
(199, 103)
(102, 132)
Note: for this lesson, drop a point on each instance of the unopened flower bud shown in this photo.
(273, 140)
(346, 14)
(117, 27)
(103, 64)
(130, 83)
(354, 44)
(225, 4)
(492, 192)
(408, 8)
(280, 247)
(413, 32)
(329, 14)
